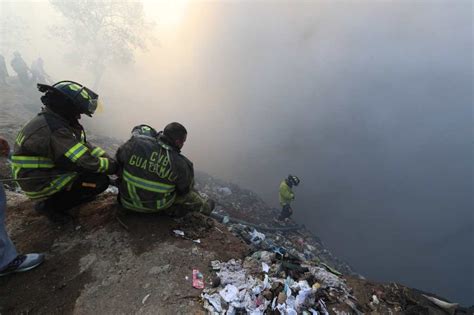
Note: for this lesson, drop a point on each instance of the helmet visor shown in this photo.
(92, 100)
(93, 104)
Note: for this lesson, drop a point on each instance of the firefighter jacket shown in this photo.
(286, 193)
(51, 151)
(152, 173)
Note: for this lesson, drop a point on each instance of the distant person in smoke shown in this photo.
(37, 70)
(58, 166)
(3, 71)
(154, 177)
(287, 196)
(21, 69)
(10, 260)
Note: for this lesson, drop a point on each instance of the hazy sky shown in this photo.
(368, 102)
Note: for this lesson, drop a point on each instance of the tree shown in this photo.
(13, 30)
(102, 32)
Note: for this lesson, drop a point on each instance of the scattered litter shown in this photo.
(186, 278)
(224, 191)
(178, 232)
(375, 300)
(257, 237)
(216, 265)
(323, 308)
(329, 268)
(78, 227)
(198, 279)
(226, 219)
(230, 293)
(215, 301)
(145, 298)
(112, 190)
(265, 267)
(449, 307)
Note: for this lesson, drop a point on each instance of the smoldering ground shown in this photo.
(370, 103)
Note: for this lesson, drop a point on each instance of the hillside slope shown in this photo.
(109, 262)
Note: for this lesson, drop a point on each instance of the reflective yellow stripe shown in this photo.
(147, 184)
(55, 186)
(164, 205)
(31, 162)
(76, 152)
(97, 152)
(132, 191)
(103, 165)
(20, 138)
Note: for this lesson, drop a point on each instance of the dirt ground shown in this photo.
(101, 264)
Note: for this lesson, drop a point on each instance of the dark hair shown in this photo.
(175, 131)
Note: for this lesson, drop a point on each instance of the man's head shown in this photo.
(176, 133)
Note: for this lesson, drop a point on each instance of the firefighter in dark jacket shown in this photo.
(155, 177)
(52, 158)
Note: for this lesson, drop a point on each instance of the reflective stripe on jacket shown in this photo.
(51, 152)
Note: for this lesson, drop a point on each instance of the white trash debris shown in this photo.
(112, 190)
(265, 267)
(449, 307)
(257, 237)
(178, 232)
(145, 298)
(230, 293)
(216, 265)
(224, 191)
(214, 300)
(225, 219)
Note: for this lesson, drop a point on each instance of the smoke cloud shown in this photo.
(369, 103)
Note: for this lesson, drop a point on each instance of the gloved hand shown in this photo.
(4, 147)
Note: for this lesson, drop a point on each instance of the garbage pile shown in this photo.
(268, 283)
(249, 217)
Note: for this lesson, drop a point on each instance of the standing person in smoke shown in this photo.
(10, 260)
(155, 177)
(59, 167)
(37, 70)
(21, 69)
(3, 71)
(287, 196)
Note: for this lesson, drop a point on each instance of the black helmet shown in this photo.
(293, 180)
(83, 99)
(144, 130)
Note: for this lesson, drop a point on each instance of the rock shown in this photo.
(159, 269)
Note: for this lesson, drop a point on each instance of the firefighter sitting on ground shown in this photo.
(287, 196)
(154, 177)
(52, 158)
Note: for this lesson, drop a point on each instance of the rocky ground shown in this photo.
(109, 264)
